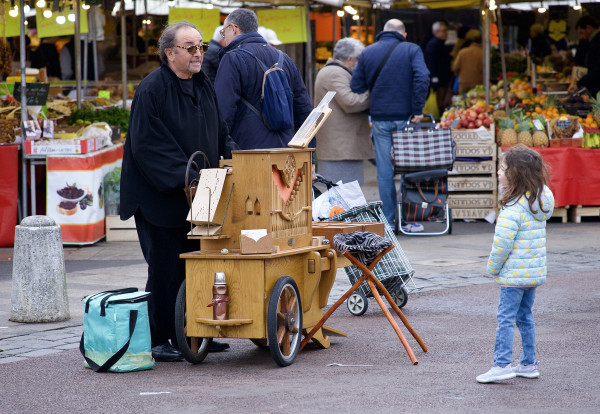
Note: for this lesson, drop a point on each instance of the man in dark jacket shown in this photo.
(589, 30)
(398, 94)
(210, 64)
(174, 114)
(241, 77)
(437, 58)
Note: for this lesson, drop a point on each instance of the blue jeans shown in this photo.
(515, 305)
(382, 138)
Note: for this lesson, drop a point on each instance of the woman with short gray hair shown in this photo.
(344, 141)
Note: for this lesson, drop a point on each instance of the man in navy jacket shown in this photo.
(174, 114)
(240, 76)
(397, 95)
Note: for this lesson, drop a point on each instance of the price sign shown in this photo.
(36, 94)
(104, 94)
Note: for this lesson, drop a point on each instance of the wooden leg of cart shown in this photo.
(389, 317)
(387, 295)
(329, 313)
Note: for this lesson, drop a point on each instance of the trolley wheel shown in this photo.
(449, 218)
(284, 321)
(400, 296)
(261, 343)
(194, 349)
(357, 303)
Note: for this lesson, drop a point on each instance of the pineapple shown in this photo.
(540, 139)
(507, 135)
(596, 108)
(524, 136)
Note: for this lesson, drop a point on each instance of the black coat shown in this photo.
(240, 76)
(210, 63)
(166, 127)
(592, 61)
(438, 59)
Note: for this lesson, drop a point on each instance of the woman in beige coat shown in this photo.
(344, 141)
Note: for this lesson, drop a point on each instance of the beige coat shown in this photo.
(346, 135)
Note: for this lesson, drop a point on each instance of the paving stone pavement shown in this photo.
(439, 262)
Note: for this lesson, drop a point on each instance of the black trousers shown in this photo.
(161, 247)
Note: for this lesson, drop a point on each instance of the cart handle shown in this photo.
(190, 190)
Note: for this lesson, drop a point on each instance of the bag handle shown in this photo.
(116, 291)
(133, 314)
(423, 195)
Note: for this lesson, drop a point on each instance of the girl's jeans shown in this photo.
(382, 138)
(515, 305)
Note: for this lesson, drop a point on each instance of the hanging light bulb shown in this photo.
(26, 8)
(71, 15)
(340, 13)
(542, 9)
(493, 5)
(85, 6)
(41, 4)
(171, 3)
(350, 10)
(47, 13)
(61, 19)
(577, 6)
(13, 12)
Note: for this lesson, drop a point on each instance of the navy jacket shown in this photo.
(166, 127)
(403, 83)
(240, 75)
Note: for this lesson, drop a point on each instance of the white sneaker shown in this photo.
(413, 228)
(497, 374)
(527, 371)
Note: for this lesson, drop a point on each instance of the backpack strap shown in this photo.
(385, 59)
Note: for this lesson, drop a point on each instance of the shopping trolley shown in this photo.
(423, 155)
(393, 270)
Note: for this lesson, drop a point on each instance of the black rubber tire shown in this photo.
(184, 342)
(400, 296)
(357, 303)
(286, 322)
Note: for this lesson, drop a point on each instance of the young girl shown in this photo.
(518, 258)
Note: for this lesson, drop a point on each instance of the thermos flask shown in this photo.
(220, 297)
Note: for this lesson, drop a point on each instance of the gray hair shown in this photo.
(244, 19)
(437, 26)
(217, 34)
(347, 47)
(167, 38)
(394, 25)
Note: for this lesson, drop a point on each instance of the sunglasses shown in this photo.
(192, 49)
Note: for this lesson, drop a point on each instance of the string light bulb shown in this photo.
(355, 17)
(13, 12)
(61, 19)
(47, 13)
(171, 3)
(85, 6)
(340, 13)
(41, 4)
(493, 5)
(577, 6)
(71, 16)
(26, 8)
(542, 9)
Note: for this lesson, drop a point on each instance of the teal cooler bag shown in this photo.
(116, 331)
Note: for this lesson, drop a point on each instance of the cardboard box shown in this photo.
(251, 246)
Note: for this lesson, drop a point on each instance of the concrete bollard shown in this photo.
(39, 284)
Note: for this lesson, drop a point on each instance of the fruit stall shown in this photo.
(561, 125)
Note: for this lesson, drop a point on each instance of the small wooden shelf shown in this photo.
(225, 322)
(216, 237)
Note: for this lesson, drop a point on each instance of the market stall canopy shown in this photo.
(448, 4)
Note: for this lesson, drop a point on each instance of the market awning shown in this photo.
(448, 4)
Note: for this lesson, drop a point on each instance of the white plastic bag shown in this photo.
(338, 199)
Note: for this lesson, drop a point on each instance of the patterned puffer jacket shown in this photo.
(518, 256)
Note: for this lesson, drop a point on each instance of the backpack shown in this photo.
(277, 101)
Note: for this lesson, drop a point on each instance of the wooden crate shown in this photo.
(477, 150)
(576, 212)
(472, 201)
(118, 230)
(471, 183)
(474, 137)
(471, 213)
(480, 167)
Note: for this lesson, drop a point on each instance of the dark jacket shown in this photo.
(166, 127)
(210, 63)
(403, 83)
(438, 61)
(592, 61)
(240, 75)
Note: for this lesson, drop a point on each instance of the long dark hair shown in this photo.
(525, 173)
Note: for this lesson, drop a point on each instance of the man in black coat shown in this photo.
(210, 65)
(588, 28)
(438, 59)
(240, 77)
(174, 114)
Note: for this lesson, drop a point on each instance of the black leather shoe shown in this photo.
(216, 346)
(166, 353)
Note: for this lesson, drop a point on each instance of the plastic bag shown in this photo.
(338, 199)
(431, 106)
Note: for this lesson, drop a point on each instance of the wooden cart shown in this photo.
(278, 286)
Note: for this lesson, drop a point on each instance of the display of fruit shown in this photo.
(471, 118)
(7, 129)
(539, 137)
(591, 138)
(509, 135)
(596, 108)
(588, 121)
(524, 135)
(564, 126)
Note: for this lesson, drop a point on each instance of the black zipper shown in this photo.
(142, 298)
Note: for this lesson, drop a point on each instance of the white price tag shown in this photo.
(538, 125)
(424, 205)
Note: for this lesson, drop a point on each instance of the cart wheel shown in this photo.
(193, 349)
(400, 296)
(284, 321)
(449, 218)
(357, 303)
(261, 343)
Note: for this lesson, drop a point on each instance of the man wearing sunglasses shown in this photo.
(174, 114)
(240, 78)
